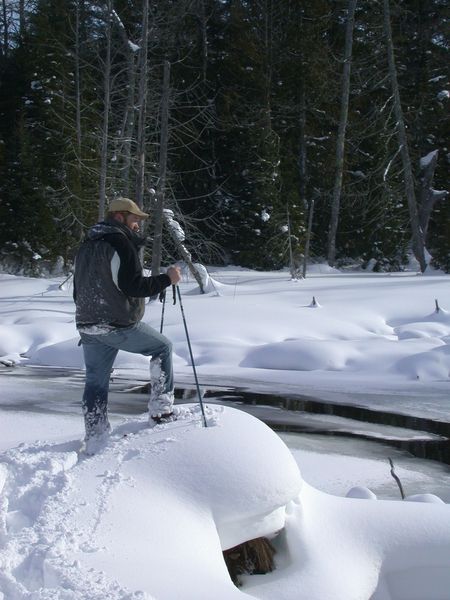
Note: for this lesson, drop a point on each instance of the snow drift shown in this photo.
(149, 516)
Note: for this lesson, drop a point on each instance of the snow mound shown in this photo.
(361, 492)
(367, 328)
(429, 498)
(354, 549)
(431, 365)
(300, 355)
(62, 354)
(108, 526)
(149, 515)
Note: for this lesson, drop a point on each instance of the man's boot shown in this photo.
(98, 429)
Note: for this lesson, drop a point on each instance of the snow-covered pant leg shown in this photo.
(143, 339)
(161, 396)
(99, 359)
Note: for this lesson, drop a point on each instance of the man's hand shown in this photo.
(175, 274)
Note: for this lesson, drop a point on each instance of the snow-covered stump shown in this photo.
(314, 303)
(255, 557)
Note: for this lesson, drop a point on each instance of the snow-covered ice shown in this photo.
(378, 329)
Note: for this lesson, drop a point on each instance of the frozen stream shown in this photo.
(337, 445)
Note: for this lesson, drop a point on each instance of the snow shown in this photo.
(438, 78)
(428, 158)
(175, 227)
(149, 515)
(133, 47)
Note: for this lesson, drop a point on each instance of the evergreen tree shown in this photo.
(253, 108)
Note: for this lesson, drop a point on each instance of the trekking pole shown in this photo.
(162, 298)
(191, 355)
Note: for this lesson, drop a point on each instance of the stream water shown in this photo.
(359, 428)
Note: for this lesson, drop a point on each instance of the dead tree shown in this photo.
(293, 268)
(106, 109)
(161, 188)
(124, 150)
(142, 103)
(159, 214)
(428, 196)
(5, 41)
(418, 245)
(340, 144)
(308, 236)
(77, 79)
(203, 23)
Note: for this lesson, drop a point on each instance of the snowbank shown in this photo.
(376, 328)
(113, 524)
(149, 516)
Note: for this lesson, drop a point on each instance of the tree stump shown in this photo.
(254, 557)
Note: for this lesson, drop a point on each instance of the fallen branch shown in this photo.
(397, 479)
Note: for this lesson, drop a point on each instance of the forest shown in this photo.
(272, 131)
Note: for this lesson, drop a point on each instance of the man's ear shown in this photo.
(119, 217)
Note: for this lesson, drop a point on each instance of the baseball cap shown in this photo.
(126, 205)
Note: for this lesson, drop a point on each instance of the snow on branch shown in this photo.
(133, 47)
(428, 159)
(174, 226)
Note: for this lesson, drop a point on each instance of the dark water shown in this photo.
(59, 391)
(422, 437)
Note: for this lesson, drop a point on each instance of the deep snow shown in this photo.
(149, 515)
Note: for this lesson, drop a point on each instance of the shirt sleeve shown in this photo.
(129, 275)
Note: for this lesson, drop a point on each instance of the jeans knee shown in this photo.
(165, 347)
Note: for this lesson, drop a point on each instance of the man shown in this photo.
(109, 292)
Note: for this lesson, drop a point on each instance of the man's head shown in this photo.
(127, 212)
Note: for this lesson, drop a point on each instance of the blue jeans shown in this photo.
(100, 352)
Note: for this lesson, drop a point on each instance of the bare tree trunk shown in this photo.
(106, 108)
(21, 17)
(302, 147)
(140, 182)
(268, 46)
(308, 236)
(159, 215)
(418, 245)
(124, 143)
(292, 267)
(77, 79)
(309, 207)
(128, 123)
(204, 34)
(159, 205)
(428, 196)
(340, 145)
(5, 29)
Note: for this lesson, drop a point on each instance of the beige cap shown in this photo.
(127, 205)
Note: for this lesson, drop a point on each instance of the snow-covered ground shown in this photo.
(368, 333)
(149, 515)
